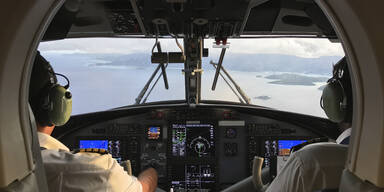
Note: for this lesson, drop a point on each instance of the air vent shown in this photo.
(297, 20)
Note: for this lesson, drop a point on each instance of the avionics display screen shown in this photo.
(193, 177)
(153, 133)
(99, 144)
(274, 148)
(286, 145)
(113, 146)
(193, 140)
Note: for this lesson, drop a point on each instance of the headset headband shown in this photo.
(66, 78)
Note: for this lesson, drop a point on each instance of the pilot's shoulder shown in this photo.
(323, 147)
(94, 156)
(321, 152)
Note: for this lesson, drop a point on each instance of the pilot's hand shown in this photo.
(148, 179)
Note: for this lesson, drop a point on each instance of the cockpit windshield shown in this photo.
(287, 74)
(283, 73)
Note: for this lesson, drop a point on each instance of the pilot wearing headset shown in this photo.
(319, 166)
(51, 104)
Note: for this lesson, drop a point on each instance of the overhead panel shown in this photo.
(186, 18)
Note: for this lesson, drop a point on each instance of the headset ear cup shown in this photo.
(44, 107)
(61, 100)
(333, 99)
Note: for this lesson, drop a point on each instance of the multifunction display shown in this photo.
(274, 148)
(193, 145)
(193, 177)
(193, 140)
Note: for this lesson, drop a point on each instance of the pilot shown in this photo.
(87, 171)
(319, 166)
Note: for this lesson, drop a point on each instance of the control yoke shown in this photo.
(256, 174)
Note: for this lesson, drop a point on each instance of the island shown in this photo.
(295, 79)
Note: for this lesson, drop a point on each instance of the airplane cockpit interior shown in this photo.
(215, 95)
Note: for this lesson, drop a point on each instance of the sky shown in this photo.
(304, 47)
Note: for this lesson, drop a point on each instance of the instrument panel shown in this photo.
(192, 149)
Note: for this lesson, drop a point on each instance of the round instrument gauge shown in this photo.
(230, 133)
(200, 145)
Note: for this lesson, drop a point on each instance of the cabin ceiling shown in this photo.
(205, 18)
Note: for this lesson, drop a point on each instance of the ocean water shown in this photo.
(294, 98)
(97, 88)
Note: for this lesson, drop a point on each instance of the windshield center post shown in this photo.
(192, 69)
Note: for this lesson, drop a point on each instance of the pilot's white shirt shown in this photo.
(312, 168)
(83, 172)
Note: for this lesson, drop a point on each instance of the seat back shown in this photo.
(36, 180)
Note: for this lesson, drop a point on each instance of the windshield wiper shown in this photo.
(146, 86)
(157, 80)
(218, 68)
(229, 85)
(164, 74)
(245, 98)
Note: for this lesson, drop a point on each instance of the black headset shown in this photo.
(334, 100)
(55, 104)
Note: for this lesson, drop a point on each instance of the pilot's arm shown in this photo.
(121, 181)
(290, 178)
(66, 171)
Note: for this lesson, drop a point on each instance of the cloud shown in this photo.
(310, 48)
(97, 45)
